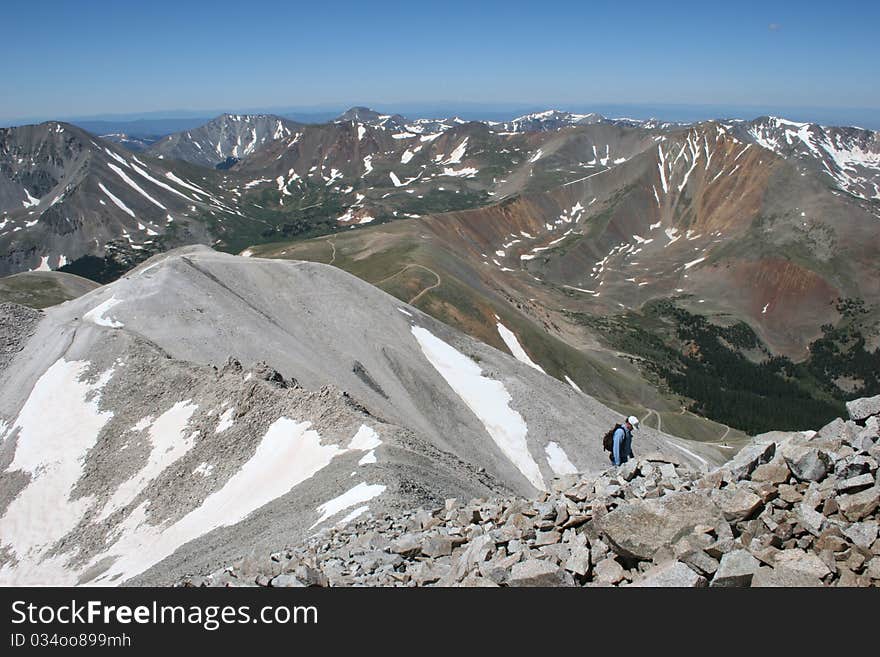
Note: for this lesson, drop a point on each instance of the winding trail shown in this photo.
(650, 412)
(412, 301)
(332, 246)
(419, 295)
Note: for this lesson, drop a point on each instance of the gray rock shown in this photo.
(579, 561)
(701, 562)
(561, 514)
(562, 483)
(639, 529)
(775, 473)
(736, 503)
(862, 534)
(546, 511)
(437, 546)
(790, 494)
(855, 484)
(535, 572)
(750, 457)
(547, 538)
(628, 470)
(477, 581)
(857, 506)
(428, 573)
(557, 552)
(862, 409)
(802, 562)
(782, 576)
(408, 545)
(598, 550)
(853, 466)
(671, 574)
(810, 519)
(311, 576)
(808, 463)
(285, 581)
(736, 569)
(871, 432)
(371, 560)
(608, 571)
(834, 430)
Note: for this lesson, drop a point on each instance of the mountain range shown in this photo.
(604, 241)
(233, 336)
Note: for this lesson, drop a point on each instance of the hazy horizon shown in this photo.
(868, 118)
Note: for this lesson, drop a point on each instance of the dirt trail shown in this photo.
(419, 295)
(650, 412)
(332, 246)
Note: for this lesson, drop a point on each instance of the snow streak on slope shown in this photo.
(119, 204)
(573, 384)
(558, 460)
(488, 399)
(515, 347)
(288, 454)
(131, 183)
(51, 449)
(167, 444)
(363, 492)
(458, 153)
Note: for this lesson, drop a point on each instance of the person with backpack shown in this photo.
(618, 441)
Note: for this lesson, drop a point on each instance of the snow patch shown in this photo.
(458, 153)
(363, 492)
(354, 514)
(52, 453)
(516, 348)
(31, 200)
(573, 384)
(558, 460)
(288, 454)
(96, 314)
(115, 200)
(486, 398)
(365, 439)
(167, 445)
(226, 420)
(131, 183)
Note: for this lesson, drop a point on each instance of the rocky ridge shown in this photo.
(791, 509)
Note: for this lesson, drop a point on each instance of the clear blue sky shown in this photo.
(62, 59)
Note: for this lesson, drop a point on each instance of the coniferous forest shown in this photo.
(726, 374)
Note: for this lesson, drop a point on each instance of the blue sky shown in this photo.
(64, 59)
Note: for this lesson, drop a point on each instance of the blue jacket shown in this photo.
(622, 446)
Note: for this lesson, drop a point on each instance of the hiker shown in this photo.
(622, 446)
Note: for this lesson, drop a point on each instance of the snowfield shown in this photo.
(488, 399)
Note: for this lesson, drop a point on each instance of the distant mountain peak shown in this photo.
(359, 113)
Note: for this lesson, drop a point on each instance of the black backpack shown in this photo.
(608, 438)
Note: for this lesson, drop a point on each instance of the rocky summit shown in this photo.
(798, 509)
